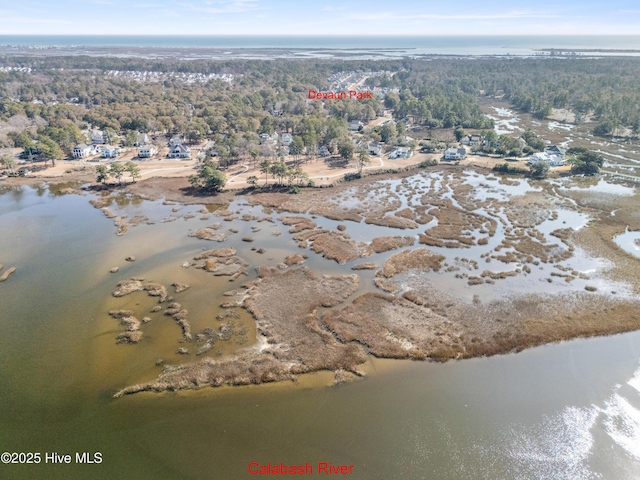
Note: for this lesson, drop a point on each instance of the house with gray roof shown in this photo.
(555, 150)
(375, 148)
(146, 151)
(109, 151)
(83, 150)
(454, 153)
(401, 153)
(179, 151)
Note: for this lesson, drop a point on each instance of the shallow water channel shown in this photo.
(568, 410)
(629, 241)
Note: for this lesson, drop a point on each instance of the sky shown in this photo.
(328, 17)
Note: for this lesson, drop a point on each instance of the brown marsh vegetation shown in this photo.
(307, 322)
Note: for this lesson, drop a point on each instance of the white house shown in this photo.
(179, 151)
(453, 153)
(375, 149)
(177, 140)
(109, 151)
(555, 150)
(471, 140)
(264, 137)
(146, 151)
(142, 140)
(97, 137)
(552, 160)
(401, 152)
(83, 150)
(286, 139)
(355, 125)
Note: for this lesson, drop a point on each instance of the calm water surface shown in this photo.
(569, 410)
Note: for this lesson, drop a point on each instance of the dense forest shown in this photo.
(60, 95)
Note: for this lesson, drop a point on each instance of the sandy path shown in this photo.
(148, 172)
(238, 179)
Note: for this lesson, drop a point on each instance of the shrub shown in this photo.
(351, 176)
(506, 168)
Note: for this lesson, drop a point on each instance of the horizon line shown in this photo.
(311, 35)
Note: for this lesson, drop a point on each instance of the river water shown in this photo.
(569, 410)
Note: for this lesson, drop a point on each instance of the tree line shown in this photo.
(64, 94)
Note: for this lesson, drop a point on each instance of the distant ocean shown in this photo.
(386, 46)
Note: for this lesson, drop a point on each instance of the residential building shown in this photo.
(471, 140)
(179, 151)
(97, 137)
(177, 140)
(454, 153)
(552, 160)
(323, 151)
(264, 137)
(142, 140)
(83, 150)
(146, 151)
(286, 139)
(375, 149)
(555, 150)
(401, 153)
(355, 125)
(109, 151)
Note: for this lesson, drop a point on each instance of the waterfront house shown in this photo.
(179, 151)
(177, 140)
(401, 153)
(454, 153)
(146, 151)
(83, 150)
(471, 140)
(555, 150)
(552, 160)
(375, 149)
(97, 137)
(141, 140)
(109, 151)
